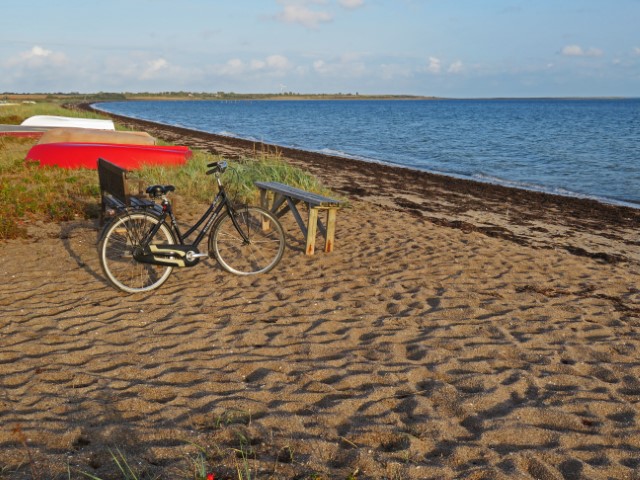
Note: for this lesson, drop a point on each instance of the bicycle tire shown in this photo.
(264, 249)
(121, 236)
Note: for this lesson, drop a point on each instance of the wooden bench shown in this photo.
(285, 198)
(115, 189)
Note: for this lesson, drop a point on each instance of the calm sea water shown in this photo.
(573, 147)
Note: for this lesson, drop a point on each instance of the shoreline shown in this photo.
(505, 183)
(582, 226)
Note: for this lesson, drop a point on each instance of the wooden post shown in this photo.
(263, 199)
(311, 231)
(266, 224)
(331, 229)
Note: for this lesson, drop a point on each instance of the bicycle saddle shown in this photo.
(156, 191)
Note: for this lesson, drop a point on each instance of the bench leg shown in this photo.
(311, 231)
(263, 199)
(331, 229)
(266, 224)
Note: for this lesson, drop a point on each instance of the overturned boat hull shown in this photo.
(85, 155)
(21, 131)
(58, 121)
(91, 135)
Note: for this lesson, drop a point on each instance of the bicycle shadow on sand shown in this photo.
(80, 240)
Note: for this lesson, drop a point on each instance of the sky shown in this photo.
(443, 48)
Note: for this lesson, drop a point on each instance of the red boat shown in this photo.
(85, 155)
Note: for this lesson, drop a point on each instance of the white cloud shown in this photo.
(298, 11)
(320, 66)
(235, 66)
(348, 65)
(455, 67)
(278, 62)
(636, 50)
(572, 51)
(136, 68)
(153, 68)
(578, 51)
(435, 65)
(38, 57)
(351, 3)
(37, 52)
(273, 64)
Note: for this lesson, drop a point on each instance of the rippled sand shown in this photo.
(412, 351)
(427, 345)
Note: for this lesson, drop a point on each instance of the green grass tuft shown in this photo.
(192, 183)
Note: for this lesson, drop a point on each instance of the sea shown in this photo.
(577, 147)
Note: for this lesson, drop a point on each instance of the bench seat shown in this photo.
(286, 198)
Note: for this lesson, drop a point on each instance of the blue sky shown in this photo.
(446, 48)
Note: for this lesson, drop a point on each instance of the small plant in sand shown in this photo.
(242, 467)
(232, 417)
(200, 468)
(22, 439)
(125, 469)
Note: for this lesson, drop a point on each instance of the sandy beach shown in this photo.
(458, 331)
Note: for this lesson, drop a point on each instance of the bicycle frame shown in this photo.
(210, 216)
(189, 251)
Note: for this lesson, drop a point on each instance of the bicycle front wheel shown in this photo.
(257, 249)
(121, 237)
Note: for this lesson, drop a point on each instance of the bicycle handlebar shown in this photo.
(216, 167)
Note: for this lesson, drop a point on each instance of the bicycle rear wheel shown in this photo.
(121, 237)
(261, 251)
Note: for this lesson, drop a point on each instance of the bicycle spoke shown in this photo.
(122, 270)
(262, 250)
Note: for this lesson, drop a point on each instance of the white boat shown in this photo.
(56, 121)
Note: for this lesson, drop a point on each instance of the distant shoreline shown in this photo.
(191, 96)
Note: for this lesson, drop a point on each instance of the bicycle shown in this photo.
(142, 244)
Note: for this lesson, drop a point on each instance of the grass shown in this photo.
(199, 467)
(16, 114)
(124, 468)
(245, 460)
(29, 192)
(191, 182)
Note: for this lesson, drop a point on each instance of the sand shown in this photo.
(458, 330)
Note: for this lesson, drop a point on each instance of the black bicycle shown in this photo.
(142, 244)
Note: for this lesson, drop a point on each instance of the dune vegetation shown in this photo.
(29, 192)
